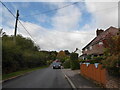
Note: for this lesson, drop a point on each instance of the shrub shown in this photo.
(74, 63)
(73, 56)
(94, 61)
(112, 55)
(66, 64)
(81, 61)
(22, 54)
(89, 57)
(98, 58)
(112, 63)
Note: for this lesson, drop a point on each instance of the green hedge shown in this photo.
(73, 56)
(66, 64)
(22, 54)
(74, 63)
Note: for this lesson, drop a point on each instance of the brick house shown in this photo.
(96, 46)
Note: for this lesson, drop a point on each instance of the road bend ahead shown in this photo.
(43, 78)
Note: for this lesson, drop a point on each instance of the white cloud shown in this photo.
(65, 34)
(1, 15)
(67, 18)
(60, 0)
(57, 39)
(8, 21)
(105, 13)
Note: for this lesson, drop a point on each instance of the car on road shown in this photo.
(56, 65)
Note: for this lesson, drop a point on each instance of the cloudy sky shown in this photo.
(72, 26)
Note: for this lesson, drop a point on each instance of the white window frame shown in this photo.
(90, 47)
(100, 43)
(86, 49)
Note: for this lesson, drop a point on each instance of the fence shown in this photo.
(93, 72)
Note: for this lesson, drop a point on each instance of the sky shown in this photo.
(67, 28)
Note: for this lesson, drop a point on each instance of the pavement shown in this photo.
(77, 80)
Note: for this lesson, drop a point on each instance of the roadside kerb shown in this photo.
(18, 76)
(15, 77)
(69, 80)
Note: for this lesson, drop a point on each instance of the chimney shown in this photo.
(99, 31)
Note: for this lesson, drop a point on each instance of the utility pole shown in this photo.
(17, 15)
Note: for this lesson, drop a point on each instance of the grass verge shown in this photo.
(14, 74)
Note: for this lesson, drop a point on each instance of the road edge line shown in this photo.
(69, 80)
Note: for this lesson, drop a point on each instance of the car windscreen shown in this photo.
(56, 63)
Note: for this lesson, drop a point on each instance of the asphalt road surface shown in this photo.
(43, 78)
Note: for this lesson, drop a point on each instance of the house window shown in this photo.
(86, 49)
(90, 47)
(100, 43)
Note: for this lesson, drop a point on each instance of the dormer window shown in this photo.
(86, 49)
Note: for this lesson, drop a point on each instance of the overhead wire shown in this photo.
(52, 9)
(47, 12)
(27, 31)
(98, 11)
(67, 6)
(8, 9)
(18, 20)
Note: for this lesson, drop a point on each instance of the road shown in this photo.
(43, 78)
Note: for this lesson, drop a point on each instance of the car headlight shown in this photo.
(59, 65)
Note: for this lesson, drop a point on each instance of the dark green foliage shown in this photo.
(73, 56)
(67, 52)
(89, 57)
(98, 58)
(66, 64)
(112, 55)
(94, 61)
(74, 63)
(22, 54)
(81, 61)
(112, 64)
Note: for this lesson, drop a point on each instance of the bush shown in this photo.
(93, 61)
(112, 63)
(74, 63)
(22, 54)
(73, 56)
(89, 57)
(112, 55)
(98, 58)
(81, 61)
(66, 64)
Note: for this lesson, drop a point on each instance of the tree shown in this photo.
(22, 54)
(74, 61)
(112, 55)
(61, 56)
(67, 52)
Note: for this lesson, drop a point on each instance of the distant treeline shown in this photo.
(22, 54)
